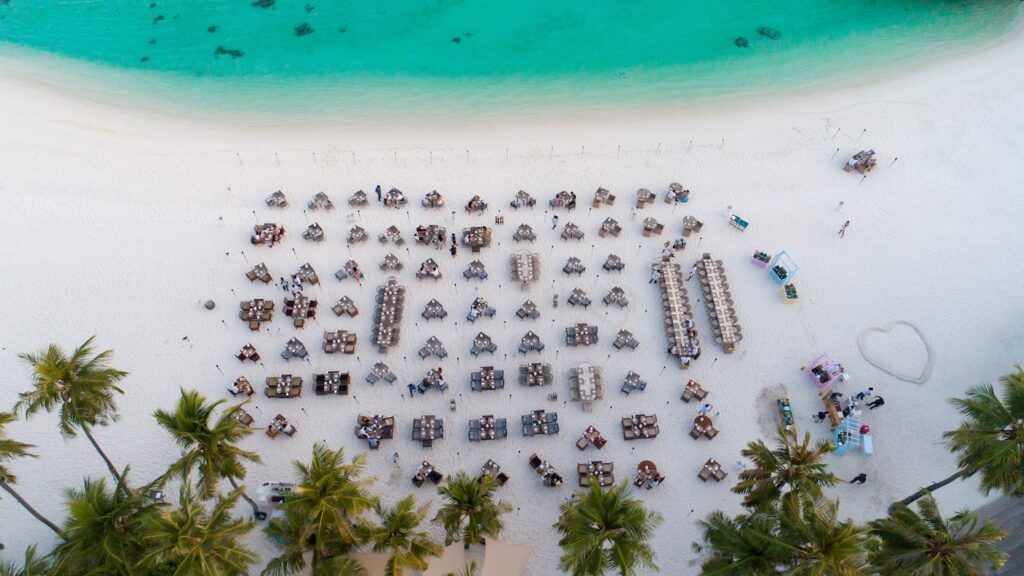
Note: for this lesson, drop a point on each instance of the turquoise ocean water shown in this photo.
(310, 57)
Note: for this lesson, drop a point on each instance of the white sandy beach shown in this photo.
(121, 223)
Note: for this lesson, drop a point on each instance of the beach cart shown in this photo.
(847, 436)
(789, 293)
(761, 259)
(786, 414)
(782, 268)
(825, 372)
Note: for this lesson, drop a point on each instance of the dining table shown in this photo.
(588, 382)
(702, 423)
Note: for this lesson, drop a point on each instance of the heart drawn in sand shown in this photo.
(898, 349)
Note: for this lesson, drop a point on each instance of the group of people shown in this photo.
(433, 379)
(853, 402)
(294, 287)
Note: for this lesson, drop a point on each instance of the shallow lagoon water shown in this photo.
(441, 57)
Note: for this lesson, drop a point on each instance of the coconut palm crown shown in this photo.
(990, 440)
(469, 511)
(323, 515)
(80, 387)
(924, 544)
(398, 536)
(194, 539)
(793, 466)
(208, 448)
(606, 531)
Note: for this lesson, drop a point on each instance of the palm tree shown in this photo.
(397, 534)
(323, 515)
(926, 545)
(469, 511)
(741, 546)
(192, 539)
(210, 449)
(102, 533)
(990, 440)
(820, 542)
(606, 530)
(81, 388)
(33, 566)
(797, 466)
(10, 450)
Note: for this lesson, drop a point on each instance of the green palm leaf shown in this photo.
(398, 536)
(469, 511)
(196, 540)
(323, 515)
(793, 466)
(924, 544)
(605, 530)
(209, 444)
(103, 530)
(990, 440)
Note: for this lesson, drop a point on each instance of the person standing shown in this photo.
(842, 231)
(864, 394)
(876, 402)
(859, 478)
(693, 270)
(379, 199)
(554, 221)
(453, 250)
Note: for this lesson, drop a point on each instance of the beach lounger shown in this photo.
(720, 474)
(711, 433)
(582, 443)
(704, 474)
(694, 433)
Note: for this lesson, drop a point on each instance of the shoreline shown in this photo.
(45, 70)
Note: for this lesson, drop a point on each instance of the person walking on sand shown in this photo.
(378, 194)
(876, 402)
(453, 250)
(693, 270)
(859, 478)
(842, 231)
(554, 221)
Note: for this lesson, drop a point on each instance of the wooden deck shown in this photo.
(1009, 514)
